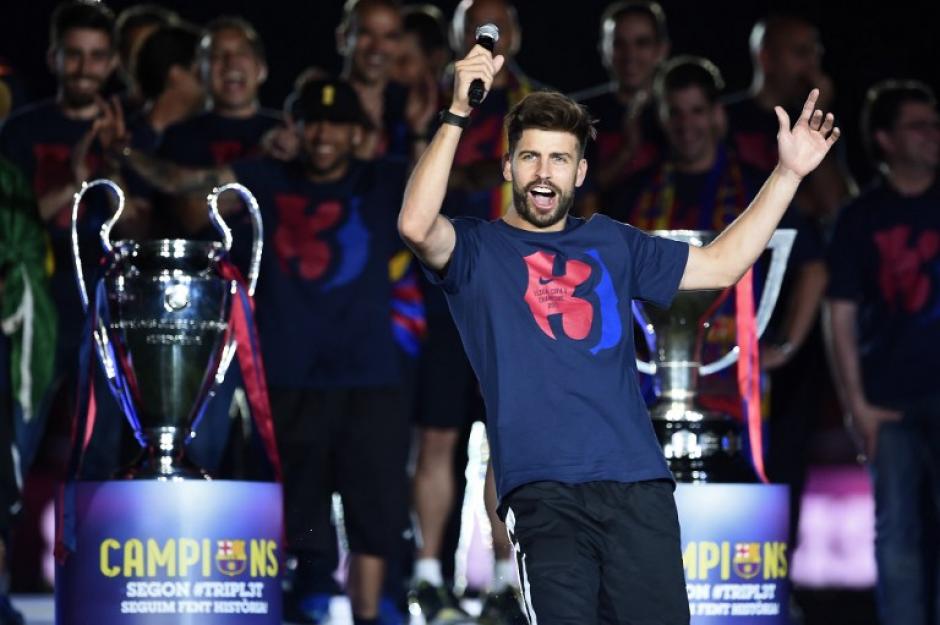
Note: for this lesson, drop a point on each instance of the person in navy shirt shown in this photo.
(634, 42)
(542, 303)
(448, 392)
(40, 140)
(234, 66)
(787, 54)
(53, 143)
(884, 323)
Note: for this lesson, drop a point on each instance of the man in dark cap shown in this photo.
(322, 312)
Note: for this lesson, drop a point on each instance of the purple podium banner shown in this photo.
(735, 552)
(173, 553)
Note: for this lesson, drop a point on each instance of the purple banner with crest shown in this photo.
(157, 552)
(735, 552)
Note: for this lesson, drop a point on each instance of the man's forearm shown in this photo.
(741, 243)
(427, 187)
(54, 201)
(173, 179)
(842, 345)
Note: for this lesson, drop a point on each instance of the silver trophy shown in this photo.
(700, 445)
(162, 330)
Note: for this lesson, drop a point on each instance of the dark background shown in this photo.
(864, 42)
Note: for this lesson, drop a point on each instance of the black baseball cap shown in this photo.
(327, 100)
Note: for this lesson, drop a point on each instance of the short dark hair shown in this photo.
(458, 23)
(549, 110)
(80, 14)
(234, 22)
(766, 31)
(351, 10)
(137, 16)
(686, 71)
(427, 23)
(882, 107)
(164, 48)
(642, 8)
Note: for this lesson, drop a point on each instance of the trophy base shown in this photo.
(702, 446)
(153, 466)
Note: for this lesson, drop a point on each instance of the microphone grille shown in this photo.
(488, 30)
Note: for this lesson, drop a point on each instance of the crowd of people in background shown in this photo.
(372, 394)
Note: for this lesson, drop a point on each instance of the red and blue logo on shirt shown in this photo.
(311, 244)
(906, 272)
(578, 293)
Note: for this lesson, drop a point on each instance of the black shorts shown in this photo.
(354, 442)
(598, 553)
(448, 394)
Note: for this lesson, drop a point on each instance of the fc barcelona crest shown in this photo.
(747, 559)
(230, 558)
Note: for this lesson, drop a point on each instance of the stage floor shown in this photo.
(820, 607)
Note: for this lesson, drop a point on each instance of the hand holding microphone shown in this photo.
(487, 36)
(473, 75)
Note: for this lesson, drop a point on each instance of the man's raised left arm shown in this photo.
(802, 147)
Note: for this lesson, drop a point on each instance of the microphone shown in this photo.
(487, 36)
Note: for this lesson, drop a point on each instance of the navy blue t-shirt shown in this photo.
(324, 291)
(39, 140)
(210, 140)
(546, 323)
(885, 256)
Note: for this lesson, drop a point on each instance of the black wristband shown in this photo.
(446, 117)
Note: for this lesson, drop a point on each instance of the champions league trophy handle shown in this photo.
(105, 230)
(256, 224)
(99, 334)
(780, 244)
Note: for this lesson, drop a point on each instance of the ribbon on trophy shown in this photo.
(749, 369)
(83, 424)
(242, 323)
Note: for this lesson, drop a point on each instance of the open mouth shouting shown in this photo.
(543, 196)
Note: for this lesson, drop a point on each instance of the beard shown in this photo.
(520, 199)
(324, 167)
(76, 97)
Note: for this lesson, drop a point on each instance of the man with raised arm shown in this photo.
(542, 303)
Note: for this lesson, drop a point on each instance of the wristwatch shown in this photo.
(446, 117)
(786, 348)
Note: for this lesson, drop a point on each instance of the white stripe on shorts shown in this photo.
(520, 560)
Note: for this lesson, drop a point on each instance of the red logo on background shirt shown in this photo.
(901, 275)
(296, 238)
(224, 152)
(548, 294)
